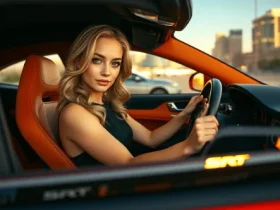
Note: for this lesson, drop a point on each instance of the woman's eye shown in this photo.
(96, 61)
(116, 64)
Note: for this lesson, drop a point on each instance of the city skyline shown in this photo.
(227, 15)
(229, 48)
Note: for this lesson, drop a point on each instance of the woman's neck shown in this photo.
(97, 98)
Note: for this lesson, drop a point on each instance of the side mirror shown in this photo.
(197, 81)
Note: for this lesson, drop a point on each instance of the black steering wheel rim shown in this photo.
(212, 90)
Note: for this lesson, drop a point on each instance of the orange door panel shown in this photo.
(153, 118)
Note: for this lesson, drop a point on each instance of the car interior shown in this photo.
(46, 28)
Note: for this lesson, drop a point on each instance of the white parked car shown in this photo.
(137, 84)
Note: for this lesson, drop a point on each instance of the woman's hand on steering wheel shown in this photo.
(204, 130)
(195, 100)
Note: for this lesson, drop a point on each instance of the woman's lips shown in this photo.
(103, 82)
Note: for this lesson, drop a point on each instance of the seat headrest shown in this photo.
(40, 76)
(49, 73)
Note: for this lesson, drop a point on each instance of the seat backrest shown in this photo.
(38, 120)
(49, 118)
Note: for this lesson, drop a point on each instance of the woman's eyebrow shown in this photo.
(117, 59)
(102, 56)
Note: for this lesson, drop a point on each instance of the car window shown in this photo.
(151, 74)
(243, 34)
(156, 75)
(11, 74)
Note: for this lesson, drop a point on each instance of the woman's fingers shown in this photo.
(206, 135)
(205, 110)
(210, 131)
(207, 119)
(206, 128)
(196, 99)
(209, 138)
(199, 98)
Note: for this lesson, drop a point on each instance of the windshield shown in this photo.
(243, 34)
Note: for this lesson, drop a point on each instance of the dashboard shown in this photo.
(255, 106)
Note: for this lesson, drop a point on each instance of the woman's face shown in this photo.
(105, 65)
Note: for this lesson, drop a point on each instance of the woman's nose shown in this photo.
(106, 70)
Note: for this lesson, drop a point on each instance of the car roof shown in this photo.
(50, 26)
(33, 22)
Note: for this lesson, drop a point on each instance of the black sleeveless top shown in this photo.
(116, 126)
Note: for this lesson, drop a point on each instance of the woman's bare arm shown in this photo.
(154, 138)
(85, 130)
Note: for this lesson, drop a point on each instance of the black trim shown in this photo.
(187, 179)
(190, 198)
(9, 93)
(9, 163)
(153, 101)
(37, 26)
(183, 177)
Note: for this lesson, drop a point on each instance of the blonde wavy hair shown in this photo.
(82, 51)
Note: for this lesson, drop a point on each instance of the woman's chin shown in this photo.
(101, 89)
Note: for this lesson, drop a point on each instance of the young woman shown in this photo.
(94, 125)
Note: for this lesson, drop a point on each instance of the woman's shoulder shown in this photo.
(73, 112)
(71, 108)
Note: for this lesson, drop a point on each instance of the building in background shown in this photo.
(220, 50)
(235, 57)
(229, 48)
(266, 38)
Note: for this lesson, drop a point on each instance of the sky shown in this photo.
(214, 16)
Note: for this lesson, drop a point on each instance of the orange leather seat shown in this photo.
(38, 120)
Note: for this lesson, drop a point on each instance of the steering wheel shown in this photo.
(213, 92)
